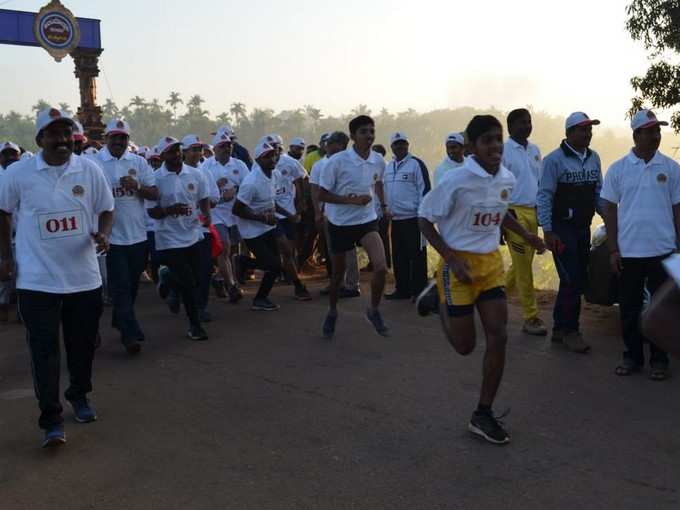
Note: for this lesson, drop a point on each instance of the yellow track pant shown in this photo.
(520, 275)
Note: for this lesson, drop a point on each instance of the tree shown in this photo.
(361, 109)
(110, 109)
(194, 106)
(238, 110)
(223, 118)
(657, 24)
(64, 107)
(138, 103)
(174, 100)
(40, 106)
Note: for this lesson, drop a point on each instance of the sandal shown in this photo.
(658, 373)
(628, 367)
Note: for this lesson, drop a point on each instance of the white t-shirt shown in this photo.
(525, 164)
(645, 194)
(57, 209)
(129, 223)
(229, 176)
(345, 174)
(258, 193)
(317, 169)
(468, 206)
(446, 165)
(290, 170)
(188, 187)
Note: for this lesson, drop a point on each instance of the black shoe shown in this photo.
(218, 285)
(197, 333)
(488, 426)
(329, 325)
(235, 294)
(344, 293)
(264, 305)
(133, 347)
(427, 301)
(396, 296)
(376, 321)
(302, 294)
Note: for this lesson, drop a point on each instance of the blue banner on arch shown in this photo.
(16, 27)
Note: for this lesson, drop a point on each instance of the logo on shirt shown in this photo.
(132, 172)
(662, 178)
(505, 194)
(191, 186)
(78, 190)
(404, 177)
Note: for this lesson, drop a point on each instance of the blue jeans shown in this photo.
(124, 265)
(572, 268)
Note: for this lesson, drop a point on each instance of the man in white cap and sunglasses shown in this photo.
(568, 197)
(641, 205)
(131, 182)
(64, 213)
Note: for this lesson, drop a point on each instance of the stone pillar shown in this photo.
(87, 70)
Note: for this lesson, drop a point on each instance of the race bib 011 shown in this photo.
(61, 224)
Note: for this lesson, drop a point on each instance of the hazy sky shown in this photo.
(397, 54)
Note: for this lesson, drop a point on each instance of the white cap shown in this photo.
(324, 137)
(49, 116)
(273, 139)
(455, 138)
(166, 142)
(153, 153)
(27, 155)
(298, 142)
(132, 147)
(263, 148)
(644, 119)
(117, 127)
(579, 119)
(398, 137)
(143, 151)
(90, 151)
(225, 128)
(222, 136)
(9, 145)
(191, 140)
(270, 139)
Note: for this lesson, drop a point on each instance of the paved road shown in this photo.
(268, 415)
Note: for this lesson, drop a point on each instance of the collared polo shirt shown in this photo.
(444, 167)
(468, 206)
(228, 176)
(56, 210)
(525, 164)
(258, 193)
(645, 194)
(289, 171)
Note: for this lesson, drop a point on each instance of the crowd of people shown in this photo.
(83, 223)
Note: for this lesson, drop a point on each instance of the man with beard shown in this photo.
(56, 198)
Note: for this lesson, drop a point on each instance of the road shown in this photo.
(268, 415)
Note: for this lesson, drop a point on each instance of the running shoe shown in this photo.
(83, 411)
(427, 301)
(218, 285)
(162, 287)
(264, 305)
(329, 325)
(54, 436)
(235, 294)
(374, 317)
(302, 294)
(484, 424)
(197, 333)
(345, 293)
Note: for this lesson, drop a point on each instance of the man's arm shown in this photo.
(544, 202)
(511, 224)
(243, 211)
(458, 266)
(332, 198)
(205, 204)
(101, 237)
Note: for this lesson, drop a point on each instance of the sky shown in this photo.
(397, 54)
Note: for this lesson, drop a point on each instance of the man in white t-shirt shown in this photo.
(131, 182)
(455, 156)
(64, 212)
(641, 210)
(9, 153)
(347, 185)
(183, 193)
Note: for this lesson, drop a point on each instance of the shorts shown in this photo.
(488, 280)
(229, 235)
(285, 227)
(344, 238)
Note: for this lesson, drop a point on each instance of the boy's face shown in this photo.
(364, 136)
(489, 149)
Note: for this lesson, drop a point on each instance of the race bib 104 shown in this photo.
(61, 224)
(486, 219)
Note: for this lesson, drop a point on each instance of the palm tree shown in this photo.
(238, 110)
(223, 118)
(174, 101)
(64, 107)
(361, 109)
(194, 106)
(40, 106)
(138, 103)
(314, 115)
(110, 109)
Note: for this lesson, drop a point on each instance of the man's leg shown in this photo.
(494, 317)
(205, 271)
(418, 255)
(567, 265)
(656, 276)
(267, 259)
(118, 273)
(400, 257)
(631, 288)
(41, 315)
(372, 243)
(384, 229)
(351, 281)
(181, 278)
(80, 316)
(522, 255)
(137, 255)
(284, 247)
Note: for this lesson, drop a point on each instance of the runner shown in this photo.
(9, 153)
(347, 187)
(183, 192)
(56, 198)
(455, 149)
(131, 181)
(228, 173)
(641, 210)
(568, 196)
(469, 207)
(523, 159)
(406, 181)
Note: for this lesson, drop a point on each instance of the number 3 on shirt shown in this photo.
(61, 224)
(485, 219)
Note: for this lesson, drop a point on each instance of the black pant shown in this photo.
(572, 268)
(78, 314)
(124, 267)
(185, 275)
(409, 257)
(206, 270)
(638, 272)
(267, 258)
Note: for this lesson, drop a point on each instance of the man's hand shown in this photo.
(178, 210)
(6, 270)
(552, 242)
(387, 214)
(359, 199)
(616, 263)
(101, 241)
(129, 183)
(536, 243)
(269, 218)
(458, 267)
